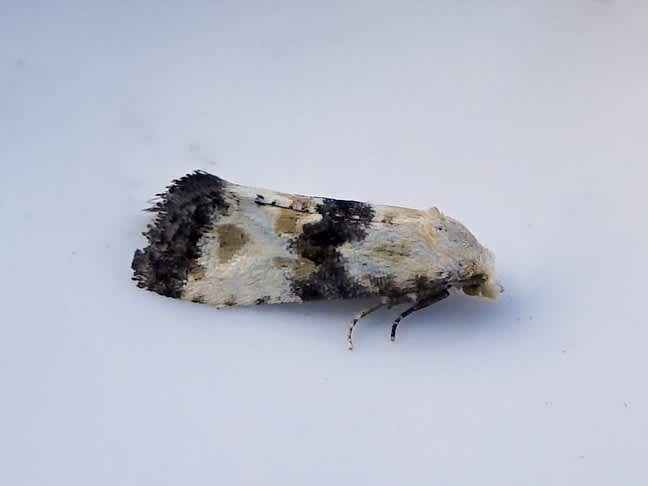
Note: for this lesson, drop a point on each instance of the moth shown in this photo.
(215, 242)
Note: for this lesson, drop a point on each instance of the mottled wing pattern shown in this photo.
(183, 214)
(225, 244)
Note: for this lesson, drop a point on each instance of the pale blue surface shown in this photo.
(525, 120)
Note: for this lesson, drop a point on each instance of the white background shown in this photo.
(525, 120)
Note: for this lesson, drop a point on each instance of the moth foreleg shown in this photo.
(355, 320)
(421, 304)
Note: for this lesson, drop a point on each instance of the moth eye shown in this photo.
(473, 290)
(440, 228)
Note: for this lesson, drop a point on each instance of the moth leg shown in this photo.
(421, 304)
(355, 320)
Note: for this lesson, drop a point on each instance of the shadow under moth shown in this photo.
(224, 244)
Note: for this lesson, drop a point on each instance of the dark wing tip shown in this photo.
(183, 213)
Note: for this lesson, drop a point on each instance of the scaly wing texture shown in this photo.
(225, 244)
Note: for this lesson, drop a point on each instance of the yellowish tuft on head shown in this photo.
(490, 288)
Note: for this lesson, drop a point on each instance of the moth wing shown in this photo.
(216, 242)
(225, 244)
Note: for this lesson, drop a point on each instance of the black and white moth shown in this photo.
(224, 244)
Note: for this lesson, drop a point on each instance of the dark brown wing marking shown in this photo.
(319, 241)
(184, 213)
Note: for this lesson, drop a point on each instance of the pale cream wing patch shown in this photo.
(245, 256)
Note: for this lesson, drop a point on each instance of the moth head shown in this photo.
(484, 285)
(479, 275)
(474, 265)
